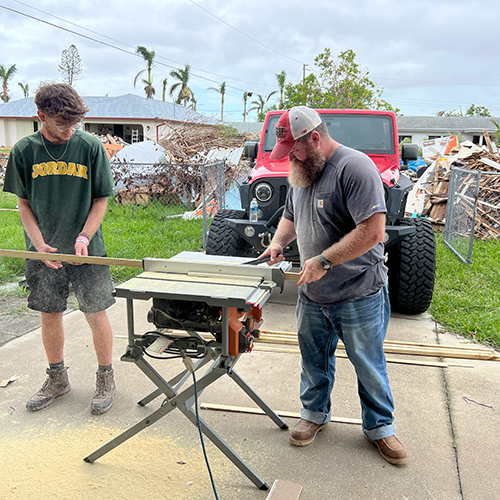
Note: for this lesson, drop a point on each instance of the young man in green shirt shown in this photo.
(62, 178)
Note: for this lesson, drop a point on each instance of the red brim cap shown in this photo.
(281, 149)
(284, 138)
(292, 125)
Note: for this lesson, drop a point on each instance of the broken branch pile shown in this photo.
(189, 141)
(190, 149)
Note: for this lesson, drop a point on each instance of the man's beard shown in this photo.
(304, 173)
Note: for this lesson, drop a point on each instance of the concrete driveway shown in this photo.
(452, 442)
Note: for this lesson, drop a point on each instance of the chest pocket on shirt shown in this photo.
(322, 209)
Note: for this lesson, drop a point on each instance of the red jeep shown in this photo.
(410, 244)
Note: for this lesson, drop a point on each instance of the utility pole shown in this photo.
(304, 73)
(245, 96)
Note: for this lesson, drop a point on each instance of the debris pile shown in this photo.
(176, 175)
(433, 187)
(4, 157)
(112, 144)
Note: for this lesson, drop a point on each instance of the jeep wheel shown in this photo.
(412, 266)
(222, 240)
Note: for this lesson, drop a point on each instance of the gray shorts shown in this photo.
(49, 288)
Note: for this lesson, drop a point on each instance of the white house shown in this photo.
(419, 128)
(131, 117)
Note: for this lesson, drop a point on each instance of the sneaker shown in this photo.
(56, 385)
(391, 450)
(105, 391)
(305, 432)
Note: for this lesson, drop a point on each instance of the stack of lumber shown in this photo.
(468, 351)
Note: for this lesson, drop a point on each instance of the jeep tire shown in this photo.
(412, 265)
(222, 240)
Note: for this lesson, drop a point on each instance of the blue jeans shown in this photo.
(362, 326)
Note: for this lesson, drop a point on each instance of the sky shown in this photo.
(426, 56)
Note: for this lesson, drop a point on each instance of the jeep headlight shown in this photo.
(263, 192)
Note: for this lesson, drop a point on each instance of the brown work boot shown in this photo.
(55, 385)
(105, 391)
(391, 449)
(305, 432)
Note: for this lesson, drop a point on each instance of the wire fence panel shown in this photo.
(470, 212)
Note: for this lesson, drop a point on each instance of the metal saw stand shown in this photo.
(231, 290)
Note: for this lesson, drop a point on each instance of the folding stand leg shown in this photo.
(217, 441)
(258, 401)
(179, 401)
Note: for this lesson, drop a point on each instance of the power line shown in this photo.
(112, 46)
(133, 47)
(244, 34)
(441, 83)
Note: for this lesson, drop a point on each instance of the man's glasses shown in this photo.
(65, 128)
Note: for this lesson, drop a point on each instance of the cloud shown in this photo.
(421, 52)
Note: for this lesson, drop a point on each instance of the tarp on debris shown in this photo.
(139, 158)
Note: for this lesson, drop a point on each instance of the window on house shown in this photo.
(403, 137)
(434, 137)
(476, 139)
(35, 126)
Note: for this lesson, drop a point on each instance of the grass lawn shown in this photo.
(466, 298)
(130, 232)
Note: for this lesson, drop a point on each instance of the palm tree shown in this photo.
(148, 56)
(26, 90)
(6, 74)
(281, 77)
(194, 102)
(185, 93)
(246, 95)
(222, 91)
(164, 83)
(260, 103)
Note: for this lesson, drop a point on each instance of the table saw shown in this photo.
(206, 308)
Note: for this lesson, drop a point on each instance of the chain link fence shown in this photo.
(166, 189)
(193, 190)
(471, 211)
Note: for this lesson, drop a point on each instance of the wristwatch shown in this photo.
(325, 264)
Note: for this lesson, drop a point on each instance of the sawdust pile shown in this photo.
(52, 466)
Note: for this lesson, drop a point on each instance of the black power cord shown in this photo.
(188, 362)
(185, 348)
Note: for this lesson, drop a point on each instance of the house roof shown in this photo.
(244, 127)
(426, 124)
(445, 123)
(128, 106)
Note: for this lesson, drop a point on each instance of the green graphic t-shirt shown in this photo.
(60, 193)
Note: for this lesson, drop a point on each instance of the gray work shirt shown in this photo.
(348, 192)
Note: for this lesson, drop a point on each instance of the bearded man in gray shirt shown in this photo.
(335, 208)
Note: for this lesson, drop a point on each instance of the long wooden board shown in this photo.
(64, 257)
(103, 261)
(258, 411)
(401, 361)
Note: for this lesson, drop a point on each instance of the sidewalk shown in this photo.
(453, 445)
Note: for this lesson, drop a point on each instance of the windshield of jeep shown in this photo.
(371, 134)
